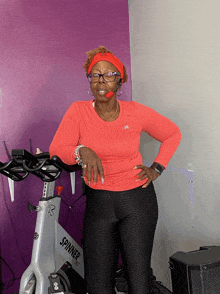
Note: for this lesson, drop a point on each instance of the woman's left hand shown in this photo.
(147, 173)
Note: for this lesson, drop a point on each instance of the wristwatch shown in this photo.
(158, 168)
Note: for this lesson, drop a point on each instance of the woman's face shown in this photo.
(101, 88)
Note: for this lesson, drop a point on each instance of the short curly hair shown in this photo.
(92, 53)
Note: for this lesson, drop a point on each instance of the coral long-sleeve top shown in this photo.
(116, 143)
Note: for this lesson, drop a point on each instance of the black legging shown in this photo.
(113, 221)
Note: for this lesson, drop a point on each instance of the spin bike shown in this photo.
(57, 260)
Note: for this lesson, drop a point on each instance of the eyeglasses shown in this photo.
(108, 77)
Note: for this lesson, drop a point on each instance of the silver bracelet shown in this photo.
(77, 158)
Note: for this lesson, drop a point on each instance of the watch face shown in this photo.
(159, 168)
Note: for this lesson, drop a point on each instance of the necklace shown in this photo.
(115, 112)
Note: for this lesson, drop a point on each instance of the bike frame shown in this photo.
(52, 246)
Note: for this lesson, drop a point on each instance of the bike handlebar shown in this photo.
(40, 165)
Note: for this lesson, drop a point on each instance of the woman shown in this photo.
(103, 135)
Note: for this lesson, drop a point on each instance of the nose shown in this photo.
(101, 77)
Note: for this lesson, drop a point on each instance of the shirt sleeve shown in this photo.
(163, 130)
(66, 138)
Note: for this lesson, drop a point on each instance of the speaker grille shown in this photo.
(211, 279)
(196, 281)
(206, 278)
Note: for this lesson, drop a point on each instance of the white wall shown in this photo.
(175, 63)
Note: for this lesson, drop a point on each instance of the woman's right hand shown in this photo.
(92, 162)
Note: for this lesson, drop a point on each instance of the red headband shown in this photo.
(110, 58)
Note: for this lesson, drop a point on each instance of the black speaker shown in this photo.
(196, 272)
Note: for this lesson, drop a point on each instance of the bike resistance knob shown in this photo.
(59, 189)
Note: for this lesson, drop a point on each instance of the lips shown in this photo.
(101, 91)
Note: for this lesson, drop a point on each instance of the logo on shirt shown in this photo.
(126, 127)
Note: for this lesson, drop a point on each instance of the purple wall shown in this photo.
(42, 49)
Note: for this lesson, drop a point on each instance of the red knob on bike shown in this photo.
(59, 189)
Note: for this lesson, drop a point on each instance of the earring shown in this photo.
(119, 93)
(89, 92)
